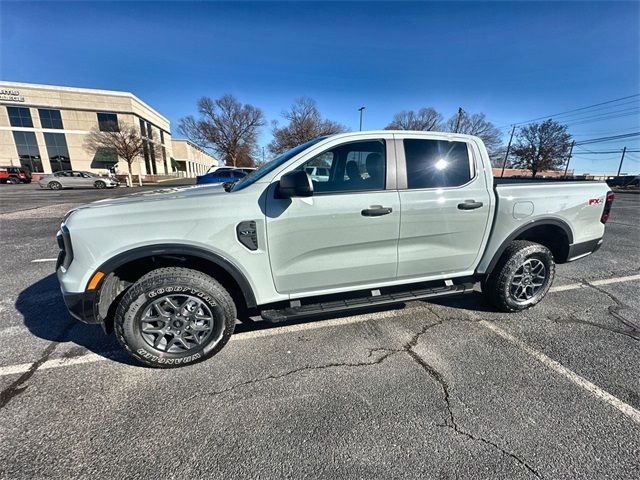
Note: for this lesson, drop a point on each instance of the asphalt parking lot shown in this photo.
(450, 389)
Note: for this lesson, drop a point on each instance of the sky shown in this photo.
(511, 61)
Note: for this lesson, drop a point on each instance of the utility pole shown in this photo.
(624, 150)
(506, 155)
(460, 113)
(569, 159)
(263, 155)
(361, 109)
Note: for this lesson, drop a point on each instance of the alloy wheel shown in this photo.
(177, 323)
(528, 280)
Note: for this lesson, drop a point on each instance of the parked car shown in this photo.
(221, 176)
(14, 175)
(222, 169)
(284, 246)
(76, 179)
(318, 174)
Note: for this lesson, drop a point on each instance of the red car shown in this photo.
(14, 175)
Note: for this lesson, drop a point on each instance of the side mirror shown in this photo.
(295, 184)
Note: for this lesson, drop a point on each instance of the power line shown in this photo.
(607, 139)
(575, 110)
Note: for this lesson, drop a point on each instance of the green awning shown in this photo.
(105, 155)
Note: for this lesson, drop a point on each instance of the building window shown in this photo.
(58, 151)
(143, 130)
(161, 137)
(28, 151)
(147, 164)
(108, 122)
(19, 117)
(50, 118)
(149, 130)
(164, 158)
(152, 151)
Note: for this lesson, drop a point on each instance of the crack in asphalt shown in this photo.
(614, 311)
(20, 385)
(388, 352)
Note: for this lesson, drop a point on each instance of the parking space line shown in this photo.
(274, 331)
(40, 260)
(604, 281)
(573, 377)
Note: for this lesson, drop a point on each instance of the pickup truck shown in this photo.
(401, 216)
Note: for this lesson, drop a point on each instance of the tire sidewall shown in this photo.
(100, 184)
(139, 297)
(54, 185)
(537, 252)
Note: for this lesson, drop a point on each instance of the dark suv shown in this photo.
(14, 175)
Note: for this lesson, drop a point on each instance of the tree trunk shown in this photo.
(129, 179)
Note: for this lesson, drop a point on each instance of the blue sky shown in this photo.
(512, 61)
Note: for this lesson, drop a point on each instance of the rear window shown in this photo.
(437, 163)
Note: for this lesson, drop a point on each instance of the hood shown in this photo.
(155, 195)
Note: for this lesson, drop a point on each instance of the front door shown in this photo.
(346, 234)
(445, 208)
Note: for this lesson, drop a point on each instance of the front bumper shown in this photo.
(81, 306)
(579, 250)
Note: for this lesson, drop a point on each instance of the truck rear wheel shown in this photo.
(521, 278)
(173, 317)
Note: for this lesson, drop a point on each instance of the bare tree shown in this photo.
(124, 140)
(477, 124)
(541, 146)
(226, 126)
(425, 119)
(305, 123)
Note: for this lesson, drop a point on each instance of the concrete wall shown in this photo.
(195, 160)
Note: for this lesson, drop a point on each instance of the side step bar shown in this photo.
(313, 309)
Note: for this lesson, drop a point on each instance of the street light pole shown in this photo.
(361, 109)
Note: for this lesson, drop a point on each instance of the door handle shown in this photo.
(376, 211)
(469, 205)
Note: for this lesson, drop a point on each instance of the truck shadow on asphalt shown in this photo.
(46, 317)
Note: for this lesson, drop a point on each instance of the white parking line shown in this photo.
(605, 281)
(40, 260)
(573, 377)
(270, 332)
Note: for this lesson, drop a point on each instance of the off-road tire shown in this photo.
(173, 280)
(497, 287)
(54, 186)
(100, 184)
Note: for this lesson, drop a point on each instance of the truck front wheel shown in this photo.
(521, 278)
(174, 316)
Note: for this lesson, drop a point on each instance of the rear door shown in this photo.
(445, 206)
(346, 234)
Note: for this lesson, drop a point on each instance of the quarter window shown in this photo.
(58, 151)
(108, 122)
(50, 118)
(436, 163)
(19, 117)
(352, 167)
(28, 151)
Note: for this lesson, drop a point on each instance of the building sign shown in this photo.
(11, 95)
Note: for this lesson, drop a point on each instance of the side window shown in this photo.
(436, 163)
(352, 167)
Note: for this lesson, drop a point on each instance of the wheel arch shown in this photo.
(125, 268)
(553, 233)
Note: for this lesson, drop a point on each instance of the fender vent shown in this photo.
(247, 235)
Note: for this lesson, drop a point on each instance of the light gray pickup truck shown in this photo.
(401, 216)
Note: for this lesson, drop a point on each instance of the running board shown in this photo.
(313, 309)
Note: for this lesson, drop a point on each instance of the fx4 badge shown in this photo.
(595, 201)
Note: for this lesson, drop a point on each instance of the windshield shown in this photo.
(256, 175)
